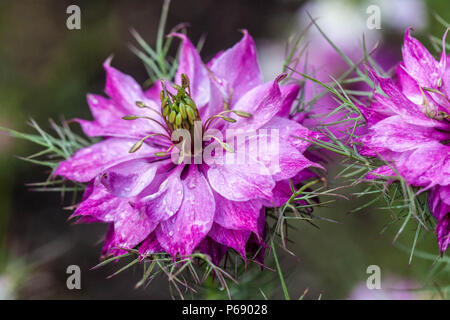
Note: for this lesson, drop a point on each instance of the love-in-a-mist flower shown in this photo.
(409, 126)
(162, 203)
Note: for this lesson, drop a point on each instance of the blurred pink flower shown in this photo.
(409, 127)
(156, 204)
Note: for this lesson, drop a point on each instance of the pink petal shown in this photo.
(237, 68)
(191, 64)
(108, 120)
(215, 250)
(439, 204)
(241, 182)
(88, 162)
(166, 198)
(237, 215)
(235, 239)
(398, 103)
(129, 178)
(262, 102)
(130, 227)
(282, 158)
(150, 245)
(189, 226)
(395, 134)
(419, 63)
(426, 166)
(125, 92)
(289, 94)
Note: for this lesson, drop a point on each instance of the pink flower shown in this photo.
(409, 126)
(157, 205)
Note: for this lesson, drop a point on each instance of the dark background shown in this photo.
(46, 71)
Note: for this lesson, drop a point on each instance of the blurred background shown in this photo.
(46, 71)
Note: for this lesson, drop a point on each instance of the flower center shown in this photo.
(179, 111)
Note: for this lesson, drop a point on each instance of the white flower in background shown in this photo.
(6, 288)
(344, 22)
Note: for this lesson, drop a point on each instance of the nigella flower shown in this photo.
(161, 205)
(409, 126)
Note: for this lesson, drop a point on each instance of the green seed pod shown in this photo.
(184, 80)
(166, 111)
(160, 154)
(181, 93)
(190, 103)
(190, 114)
(140, 104)
(242, 113)
(183, 110)
(227, 119)
(172, 116)
(164, 101)
(136, 146)
(130, 117)
(178, 120)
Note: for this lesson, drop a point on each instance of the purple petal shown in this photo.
(215, 250)
(400, 104)
(129, 178)
(395, 134)
(237, 215)
(130, 227)
(124, 90)
(89, 162)
(235, 239)
(278, 149)
(289, 93)
(237, 68)
(262, 102)
(190, 225)
(241, 182)
(381, 171)
(150, 245)
(108, 120)
(409, 86)
(191, 64)
(419, 63)
(439, 203)
(426, 166)
(166, 198)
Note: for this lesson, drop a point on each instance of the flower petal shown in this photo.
(262, 102)
(129, 178)
(289, 93)
(166, 199)
(235, 239)
(150, 245)
(237, 215)
(241, 182)
(237, 68)
(89, 162)
(130, 227)
(439, 204)
(419, 62)
(215, 250)
(395, 134)
(182, 233)
(191, 64)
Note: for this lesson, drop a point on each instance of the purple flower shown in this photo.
(409, 127)
(156, 204)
